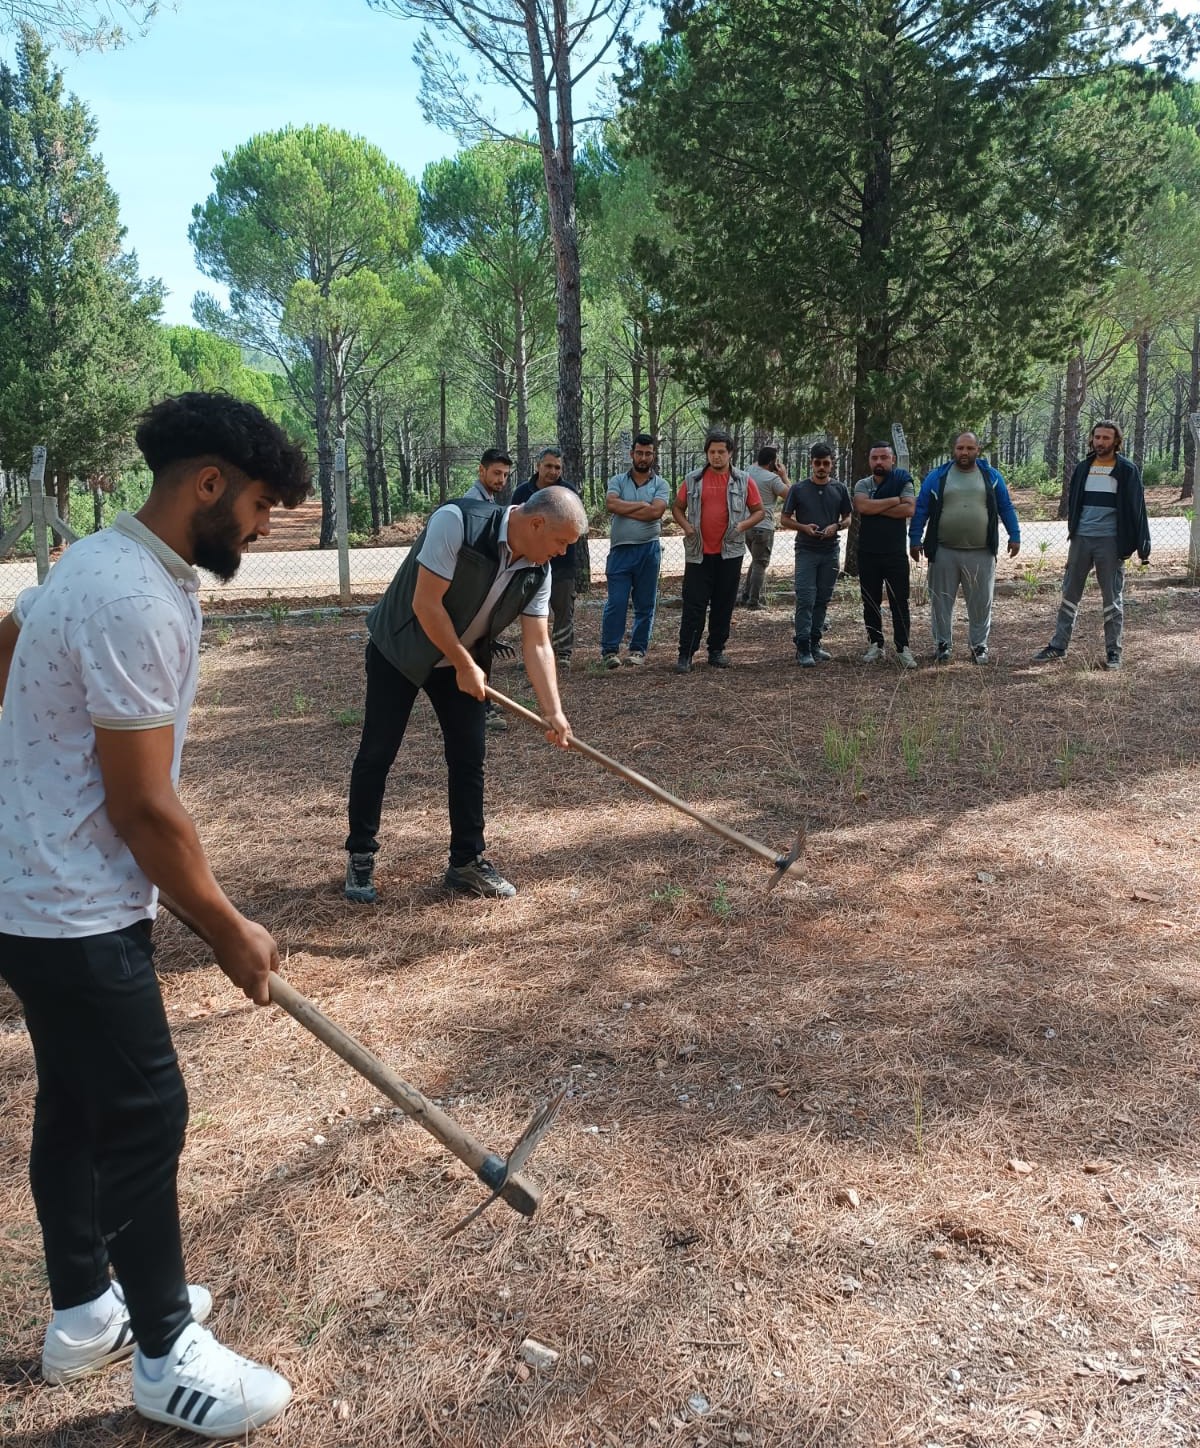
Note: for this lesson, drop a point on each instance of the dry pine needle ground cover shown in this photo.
(903, 1153)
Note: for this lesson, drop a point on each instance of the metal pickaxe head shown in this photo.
(785, 862)
(499, 1173)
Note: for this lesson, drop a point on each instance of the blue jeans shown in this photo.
(816, 575)
(632, 568)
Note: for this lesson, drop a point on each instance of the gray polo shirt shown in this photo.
(771, 488)
(633, 530)
(439, 553)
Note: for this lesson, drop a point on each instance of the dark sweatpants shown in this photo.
(877, 571)
(390, 698)
(108, 1125)
(709, 587)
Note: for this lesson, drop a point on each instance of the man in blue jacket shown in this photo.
(1106, 522)
(958, 515)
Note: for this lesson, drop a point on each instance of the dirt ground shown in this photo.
(903, 1153)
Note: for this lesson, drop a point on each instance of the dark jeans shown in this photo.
(562, 614)
(816, 577)
(875, 572)
(709, 587)
(390, 697)
(108, 1124)
(632, 569)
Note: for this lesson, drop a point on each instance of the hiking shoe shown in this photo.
(611, 661)
(683, 665)
(822, 656)
(718, 661)
(942, 656)
(805, 659)
(635, 659)
(1048, 655)
(1112, 660)
(208, 1389)
(360, 879)
(494, 719)
(479, 877)
(873, 654)
(66, 1357)
(979, 654)
(907, 660)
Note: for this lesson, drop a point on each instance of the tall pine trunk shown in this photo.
(521, 383)
(1188, 491)
(1143, 392)
(317, 352)
(1054, 429)
(1074, 396)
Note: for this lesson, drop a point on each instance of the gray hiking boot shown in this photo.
(479, 877)
(360, 879)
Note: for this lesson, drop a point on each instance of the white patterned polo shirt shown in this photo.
(110, 640)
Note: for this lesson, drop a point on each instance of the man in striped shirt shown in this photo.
(1106, 522)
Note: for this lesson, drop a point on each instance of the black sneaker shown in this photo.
(1112, 659)
(822, 656)
(718, 661)
(1048, 655)
(360, 879)
(979, 654)
(942, 656)
(479, 877)
(683, 664)
(805, 659)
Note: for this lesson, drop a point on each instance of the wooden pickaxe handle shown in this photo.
(779, 862)
(519, 1192)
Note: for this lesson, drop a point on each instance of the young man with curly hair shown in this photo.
(98, 671)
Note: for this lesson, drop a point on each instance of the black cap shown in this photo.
(494, 455)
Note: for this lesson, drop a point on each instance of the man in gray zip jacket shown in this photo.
(716, 506)
(473, 571)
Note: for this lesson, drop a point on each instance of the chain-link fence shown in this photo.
(385, 514)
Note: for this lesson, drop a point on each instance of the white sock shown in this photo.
(89, 1319)
(151, 1368)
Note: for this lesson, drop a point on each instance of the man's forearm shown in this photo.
(163, 840)
(439, 629)
(540, 667)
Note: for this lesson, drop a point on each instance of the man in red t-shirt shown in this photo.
(716, 506)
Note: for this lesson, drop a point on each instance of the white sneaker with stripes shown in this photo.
(68, 1353)
(208, 1389)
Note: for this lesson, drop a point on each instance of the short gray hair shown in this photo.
(558, 505)
(553, 451)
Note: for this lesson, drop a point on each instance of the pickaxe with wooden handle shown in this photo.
(502, 1175)
(780, 864)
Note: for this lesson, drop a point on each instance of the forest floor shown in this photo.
(902, 1153)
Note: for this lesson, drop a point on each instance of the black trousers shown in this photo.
(108, 1124)
(390, 698)
(875, 572)
(709, 587)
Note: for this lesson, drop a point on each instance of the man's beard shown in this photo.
(217, 542)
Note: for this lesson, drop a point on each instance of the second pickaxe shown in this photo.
(780, 864)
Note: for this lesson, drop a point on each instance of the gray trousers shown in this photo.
(1084, 555)
(562, 609)
(974, 569)
(760, 542)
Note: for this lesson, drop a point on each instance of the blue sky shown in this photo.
(212, 73)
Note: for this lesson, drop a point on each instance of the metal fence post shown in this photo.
(342, 495)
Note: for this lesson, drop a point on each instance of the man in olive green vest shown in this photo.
(473, 571)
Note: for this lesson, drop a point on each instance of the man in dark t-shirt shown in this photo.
(816, 510)
(884, 501)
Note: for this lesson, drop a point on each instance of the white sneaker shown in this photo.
(209, 1389)
(873, 654)
(66, 1358)
(905, 655)
(635, 659)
